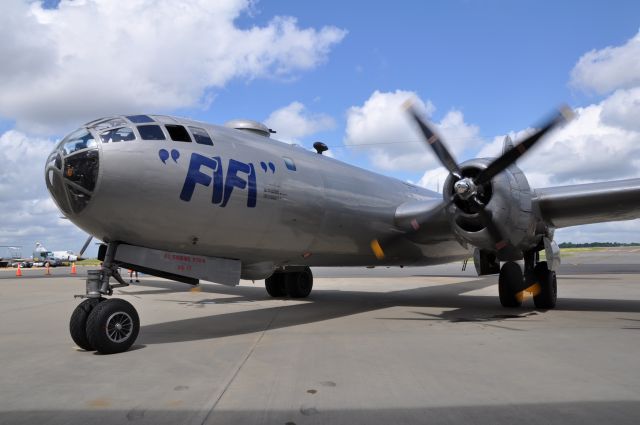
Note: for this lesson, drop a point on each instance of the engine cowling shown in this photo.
(508, 197)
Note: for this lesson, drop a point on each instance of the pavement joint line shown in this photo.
(211, 404)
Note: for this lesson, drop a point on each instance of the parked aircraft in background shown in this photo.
(53, 258)
(186, 200)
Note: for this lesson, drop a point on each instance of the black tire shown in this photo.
(113, 326)
(548, 294)
(510, 285)
(78, 322)
(299, 284)
(275, 285)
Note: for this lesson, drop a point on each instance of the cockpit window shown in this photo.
(115, 122)
(122, 134)
(178, 133)
(79, 139)
(139, 119)
(151, 132)
(201, 136)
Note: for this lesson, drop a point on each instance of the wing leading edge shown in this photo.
(565, 206)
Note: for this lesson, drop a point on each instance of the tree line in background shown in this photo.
(595, 244)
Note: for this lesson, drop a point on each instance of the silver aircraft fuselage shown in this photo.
(248, 197)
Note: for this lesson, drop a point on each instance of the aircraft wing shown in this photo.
(565, 206)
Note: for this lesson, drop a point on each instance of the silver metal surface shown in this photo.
(552, 252)
(301, 209)
(218, 270)
(94, 282)
(565, 206)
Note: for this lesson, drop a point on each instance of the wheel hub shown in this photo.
(119, 327)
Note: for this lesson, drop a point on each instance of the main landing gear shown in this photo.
(536, 278)
(295, 284)
(107, 326)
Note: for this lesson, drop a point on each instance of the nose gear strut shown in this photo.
(104, 325)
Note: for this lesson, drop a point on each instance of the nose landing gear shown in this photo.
(107, 326)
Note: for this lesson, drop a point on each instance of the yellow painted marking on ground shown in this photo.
(99, 402)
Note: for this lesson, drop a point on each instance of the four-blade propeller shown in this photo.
(468, 190)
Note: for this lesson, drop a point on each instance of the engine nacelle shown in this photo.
(508, 198)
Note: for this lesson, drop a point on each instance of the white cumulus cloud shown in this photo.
(393, 141)
(28, 213)
(94, 57)
(294, 122)
(610, 68)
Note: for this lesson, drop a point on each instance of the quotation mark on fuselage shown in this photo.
(164, 155)
(272, 167)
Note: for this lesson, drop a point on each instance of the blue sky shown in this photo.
(331, 71)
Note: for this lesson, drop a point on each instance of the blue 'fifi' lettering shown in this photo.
(221, 190)
(233, 180)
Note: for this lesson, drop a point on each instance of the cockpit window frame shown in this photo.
(164, 133)
(140, 119)
(199, 138)
(113, 122)
(74, 137)
(116, 129)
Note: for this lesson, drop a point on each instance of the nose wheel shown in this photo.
(107, 326)
(78, 323)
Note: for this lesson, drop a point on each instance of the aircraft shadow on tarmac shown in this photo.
(325, 305)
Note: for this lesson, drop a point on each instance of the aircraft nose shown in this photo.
(71, 171)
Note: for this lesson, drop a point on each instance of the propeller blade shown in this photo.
(434, 141)
(511, 155)
(378, 245)
(84, 247)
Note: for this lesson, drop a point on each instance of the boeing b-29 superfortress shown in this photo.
(190, 201)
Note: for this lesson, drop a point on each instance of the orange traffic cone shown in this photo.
(73, 268)
(18, 272)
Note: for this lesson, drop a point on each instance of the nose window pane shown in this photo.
(82, 169)
(122, 134)
(115, 122)
(55, 186)
(138, 119)
(80, 139)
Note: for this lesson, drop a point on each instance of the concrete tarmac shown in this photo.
(382, 346)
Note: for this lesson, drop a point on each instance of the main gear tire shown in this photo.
(299, 284)
(547, 296)
(510, 285)
(275, 285)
